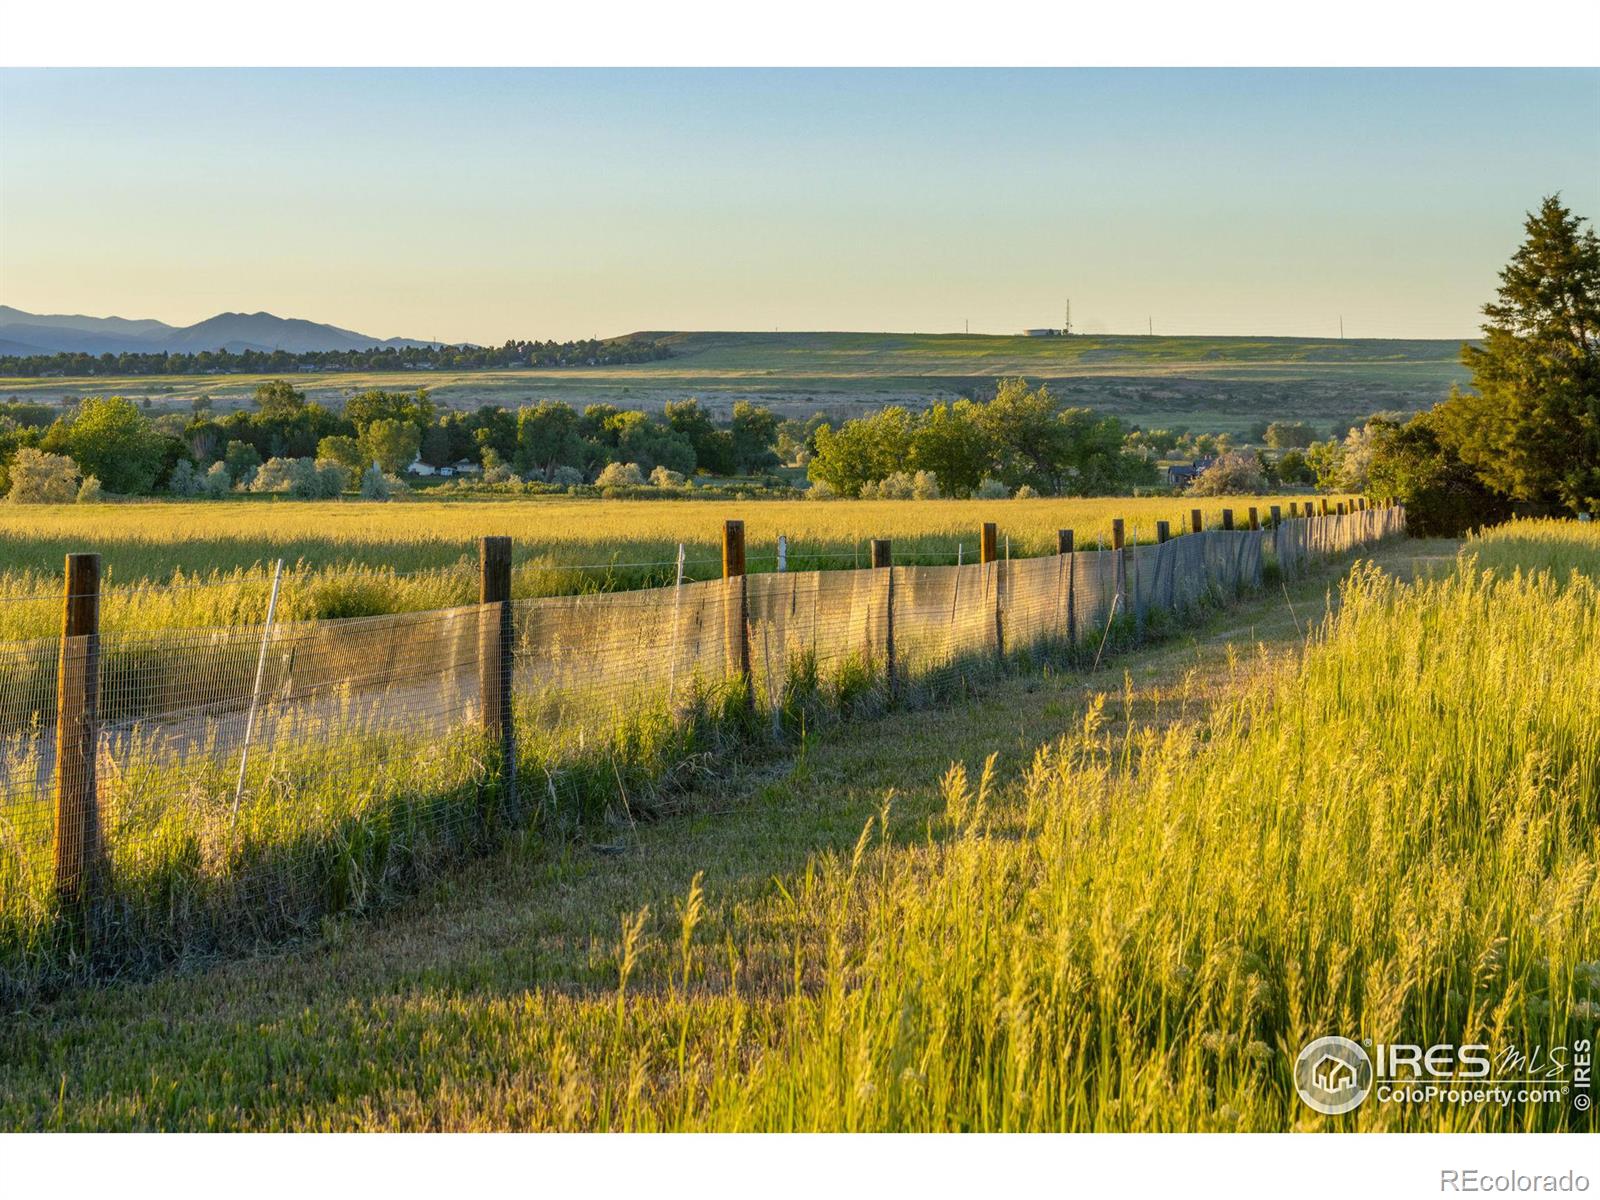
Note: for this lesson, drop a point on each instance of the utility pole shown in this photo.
(1341, 327)
(1066, 329)
(1150, 323)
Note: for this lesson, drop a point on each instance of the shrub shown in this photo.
(374, 485)
(820, 489)
(1237, 473)
(301, 478)
(925, 486)
(1025, 493)
(184, 480)
(217, 483)
(992, 489)
(897, 485)
(664, 478)
(38, 477)
(617, 475)
(89, 491)
(564, 477)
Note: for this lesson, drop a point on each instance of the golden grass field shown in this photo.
(349, 558)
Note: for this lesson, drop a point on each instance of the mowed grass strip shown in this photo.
(1131, 920)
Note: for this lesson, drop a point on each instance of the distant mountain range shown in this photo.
(26, 333)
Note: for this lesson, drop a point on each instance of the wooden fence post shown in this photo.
(883, 560)
(1227, 518)
(1276, 514)
(77, 735)
(988, 552)
(1294, 508)
(1064, 546)
(1163, 532)
(1341, 508)
(737, 606)
(1255, 518)
(1194, 520)
(1119, 564)
(497, 656)
(1324, 506)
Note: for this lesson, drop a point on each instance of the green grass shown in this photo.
(1559, 547)
(1172, 875)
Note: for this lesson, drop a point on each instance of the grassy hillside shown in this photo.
(1205, 383)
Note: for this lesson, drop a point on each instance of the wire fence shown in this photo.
(173, 790)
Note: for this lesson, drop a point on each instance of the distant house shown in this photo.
(1041, 333)
(420, 468)
(1182, 475)
(467, 467)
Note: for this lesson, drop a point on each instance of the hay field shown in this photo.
(173, 563)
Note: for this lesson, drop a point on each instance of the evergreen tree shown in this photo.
(1531, 429)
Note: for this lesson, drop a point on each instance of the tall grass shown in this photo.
(1560, 547)
(1395, 838)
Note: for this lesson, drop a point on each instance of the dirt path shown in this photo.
(306, 1036)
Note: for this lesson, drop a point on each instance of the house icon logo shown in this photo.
(1333, 1075)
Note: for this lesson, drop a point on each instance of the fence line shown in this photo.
(362, 754)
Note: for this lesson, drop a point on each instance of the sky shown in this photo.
(481, 205)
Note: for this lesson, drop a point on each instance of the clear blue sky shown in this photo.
(480, 205)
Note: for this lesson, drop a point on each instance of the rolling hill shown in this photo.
(1205, 383)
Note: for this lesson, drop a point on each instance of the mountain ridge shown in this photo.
(61, 333)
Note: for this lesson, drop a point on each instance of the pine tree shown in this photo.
(1531, 429)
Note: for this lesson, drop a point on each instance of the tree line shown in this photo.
(125, 451)
(1024, 438)
(589, 352)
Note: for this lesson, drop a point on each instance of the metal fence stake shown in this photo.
(255, 692)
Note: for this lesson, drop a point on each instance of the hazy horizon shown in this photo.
(481, 205)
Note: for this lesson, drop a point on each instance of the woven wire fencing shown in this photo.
(178, 790)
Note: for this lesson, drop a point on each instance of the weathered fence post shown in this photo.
(1324, 506)
(1064, 546)
(988, 542)
(496, 656)
(1275, 514)
(77, 734)
(1227, 518)
(1119, 564)
(736, 606)
(988, 553)
(1294, 508)
(1163, 532)
(1195, 522)
(883, 559)
(1255, 519)
(1341, 508)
